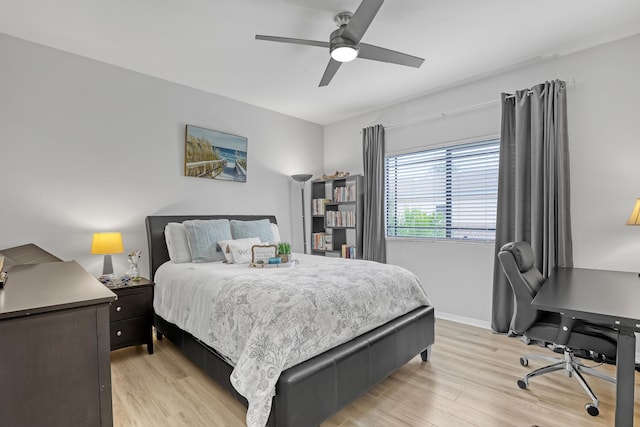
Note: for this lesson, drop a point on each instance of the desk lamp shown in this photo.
(107, 244)
(302, 179)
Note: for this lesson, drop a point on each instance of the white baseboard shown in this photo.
(464, 320)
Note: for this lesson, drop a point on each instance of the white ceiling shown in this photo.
(210, 45)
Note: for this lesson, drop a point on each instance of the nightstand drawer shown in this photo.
(125, 332)
(127, 306)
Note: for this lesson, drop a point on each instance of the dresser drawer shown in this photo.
(127, 306)
(127, 332)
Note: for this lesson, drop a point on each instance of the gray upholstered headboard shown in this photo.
(158, 253)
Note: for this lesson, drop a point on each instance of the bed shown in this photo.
(310, 390)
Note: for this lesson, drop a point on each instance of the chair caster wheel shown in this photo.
(523, 385)
(524, 361)
(592, 410)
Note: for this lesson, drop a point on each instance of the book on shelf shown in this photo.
(340, 218)
(345, 194)
(349, 251)
(318, 241)
(318, 206)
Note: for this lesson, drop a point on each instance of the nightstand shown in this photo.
(131, 315)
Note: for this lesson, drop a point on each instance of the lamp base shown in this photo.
(107, 267)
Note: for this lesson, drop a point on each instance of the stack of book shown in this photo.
(341, 218)
(318, 206)
(318, 241)
(344, 194)
(349, 251)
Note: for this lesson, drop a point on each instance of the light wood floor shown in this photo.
(470, 381)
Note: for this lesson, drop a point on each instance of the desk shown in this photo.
(605, 297)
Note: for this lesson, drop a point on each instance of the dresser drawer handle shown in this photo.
(118, 308)
(119, 333)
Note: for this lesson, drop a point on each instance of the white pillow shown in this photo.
(241, 251)
(276, 234)
(175, 235)
(240, 245)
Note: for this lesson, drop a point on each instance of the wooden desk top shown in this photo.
(41, 288)
(600, 296)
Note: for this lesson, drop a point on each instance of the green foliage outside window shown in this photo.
(417, 223)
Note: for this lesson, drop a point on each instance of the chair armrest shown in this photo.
(564, 331)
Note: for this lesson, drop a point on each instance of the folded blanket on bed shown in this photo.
(267, 320)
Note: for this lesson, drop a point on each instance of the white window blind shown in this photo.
(444, 193)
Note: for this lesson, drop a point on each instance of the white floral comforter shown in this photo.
(267, 320)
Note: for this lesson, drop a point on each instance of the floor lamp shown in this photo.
(302, 179)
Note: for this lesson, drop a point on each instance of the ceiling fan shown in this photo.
(344, 43)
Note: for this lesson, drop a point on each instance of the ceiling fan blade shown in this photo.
(361, 19)
(381, 54)
(331, 70)
(294, 41)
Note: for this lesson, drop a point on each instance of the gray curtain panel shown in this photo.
(373, 234)
(533, 186)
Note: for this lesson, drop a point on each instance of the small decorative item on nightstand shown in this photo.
(134, 270)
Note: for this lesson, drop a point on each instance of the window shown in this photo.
(443, 193)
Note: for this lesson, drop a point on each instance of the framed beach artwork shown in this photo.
(215, 155)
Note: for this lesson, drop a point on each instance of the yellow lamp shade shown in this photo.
(634, 219)
(107, 243)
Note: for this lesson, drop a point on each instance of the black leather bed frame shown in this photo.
(311, 392)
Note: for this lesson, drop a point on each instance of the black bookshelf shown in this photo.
(337, 214)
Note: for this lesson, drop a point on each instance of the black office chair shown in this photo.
(574, 338)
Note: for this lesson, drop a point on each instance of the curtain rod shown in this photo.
(443, 114)
(464, 109)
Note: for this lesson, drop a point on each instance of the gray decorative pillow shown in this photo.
(203, 237)
(260, 228)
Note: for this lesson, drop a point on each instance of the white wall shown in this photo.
(86, 147)
(604, 134)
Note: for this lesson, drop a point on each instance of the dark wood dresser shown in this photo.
(54, 347)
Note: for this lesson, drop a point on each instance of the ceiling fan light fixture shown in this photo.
(344, 42)
(344, 53)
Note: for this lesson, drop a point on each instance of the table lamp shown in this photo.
(634, 219)
(107, 244)
(301, 179)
